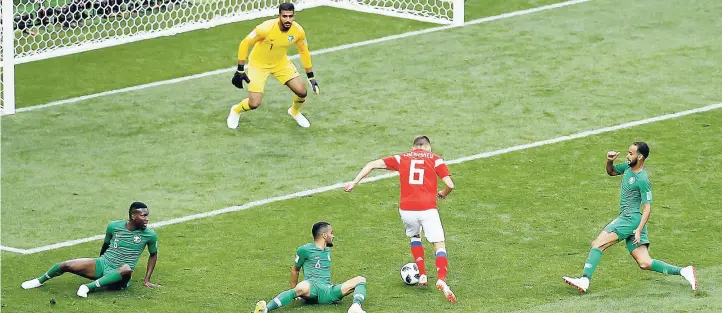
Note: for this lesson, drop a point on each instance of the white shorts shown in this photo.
(428, 220)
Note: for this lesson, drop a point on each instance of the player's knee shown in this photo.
(645, 265)
(254, 104)
(66, 266)
(303, 288)
(301, 93)
(360, 279)
(125, 270)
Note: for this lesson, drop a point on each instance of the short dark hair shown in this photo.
(135, 206)
(421, 140)
(319, 228)
(642, 148)
(287, 6)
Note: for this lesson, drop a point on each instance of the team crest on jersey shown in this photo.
(136, 239)
(631, 180)
(290, 38)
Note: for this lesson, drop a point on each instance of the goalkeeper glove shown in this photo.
(314, 83)
(239, 76)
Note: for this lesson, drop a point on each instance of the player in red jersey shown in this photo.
(418, 170)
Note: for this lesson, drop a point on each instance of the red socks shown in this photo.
(417, 251)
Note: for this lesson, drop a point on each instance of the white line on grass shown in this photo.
(379, 177)
(16, 250)
(317, 52)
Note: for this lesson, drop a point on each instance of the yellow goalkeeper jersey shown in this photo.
(270, 45)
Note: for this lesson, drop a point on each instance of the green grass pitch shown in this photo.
(516, 223)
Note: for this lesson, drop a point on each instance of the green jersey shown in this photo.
(636, 190)
(125, 245)
(316, 263)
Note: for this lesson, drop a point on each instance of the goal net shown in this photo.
(44, 29)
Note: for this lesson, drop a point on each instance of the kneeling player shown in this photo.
(315, 259)
(123, 244)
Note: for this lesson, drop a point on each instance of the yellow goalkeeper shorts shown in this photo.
(258, 75)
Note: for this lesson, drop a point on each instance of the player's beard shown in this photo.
(632, 163)
(329, 244)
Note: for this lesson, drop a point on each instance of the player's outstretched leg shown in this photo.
(251, 103)
(645, 262)
(299, 99)
(690, 274)
(261, 307)
(417, 251)
(82, 267)
(104, 281)
(302, 289)
(357, 286)
(603, 241)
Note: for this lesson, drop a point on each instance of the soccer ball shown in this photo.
(410, 274)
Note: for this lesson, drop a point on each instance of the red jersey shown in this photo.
(418, 170)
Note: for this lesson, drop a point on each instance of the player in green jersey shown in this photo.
(124, 241)
(635, 204)
(315, 260)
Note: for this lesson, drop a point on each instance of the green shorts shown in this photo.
(324, 293)
(103, 266)
(624, 227)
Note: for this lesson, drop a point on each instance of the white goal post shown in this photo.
(40, 29)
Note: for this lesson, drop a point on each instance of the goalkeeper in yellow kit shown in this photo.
(270, 41)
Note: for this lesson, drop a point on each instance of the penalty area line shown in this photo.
(313, 191)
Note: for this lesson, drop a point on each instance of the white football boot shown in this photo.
(582, 284)
(300, 119)
(261, 307)
(356, 308)
(83, 291)
(690, 274)
(441, 285)
(233, 118)
(423, 280)
(30, 284)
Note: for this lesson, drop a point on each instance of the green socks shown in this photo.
(359, 294)
(112, 277)
(592, 260)
(52, 272)
(282, 299)
(664, 268)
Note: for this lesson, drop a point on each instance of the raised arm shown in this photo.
(611, 156)
(370, 166)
